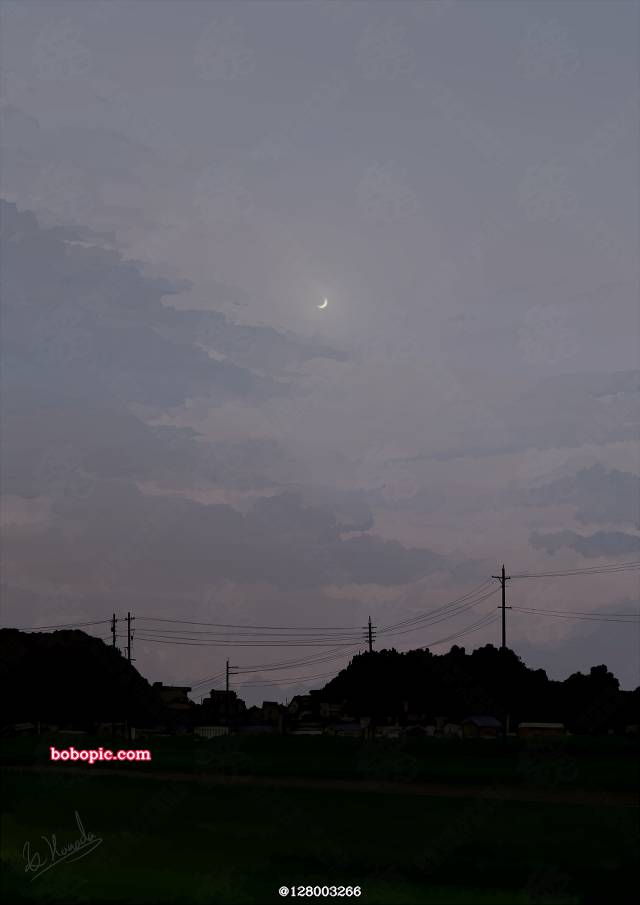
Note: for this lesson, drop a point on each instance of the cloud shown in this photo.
(599, 495)
(564, 411)
(113, 533)
(263, 349)
(86, 321)
(601, 543)
(53, 448)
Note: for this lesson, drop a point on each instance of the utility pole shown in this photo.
(370, 634)
(129, 618)
(503, 580)
(127, 721)
(113, 630)
(228, 672)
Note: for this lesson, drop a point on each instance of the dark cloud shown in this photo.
(87, 322)
(601, 543)
(84, 322)
(112, 532)
(259, 348)
(599, 495)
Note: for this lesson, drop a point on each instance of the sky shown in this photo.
(187, 436)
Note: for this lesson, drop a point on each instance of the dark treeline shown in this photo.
(70, 678)
(487, 681)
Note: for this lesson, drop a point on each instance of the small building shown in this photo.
(481, 727)
(530, 730)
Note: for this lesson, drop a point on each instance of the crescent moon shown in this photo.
(324, 304)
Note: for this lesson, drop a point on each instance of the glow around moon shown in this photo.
(324, 304)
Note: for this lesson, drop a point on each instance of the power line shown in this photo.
(439, 609)
(434, 617)
(319, 628)
(39, 628)
(579, 617)
(194, 642)
(485, 621)
(257, 634)
(632, 565)
(292, 664)
(442, 616)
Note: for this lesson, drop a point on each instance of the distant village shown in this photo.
(224, 713)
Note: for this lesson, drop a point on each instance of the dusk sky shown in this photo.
(186, 435)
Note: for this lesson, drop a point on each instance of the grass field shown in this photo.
(186, 842)
(574, 762)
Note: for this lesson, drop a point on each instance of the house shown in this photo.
(272, 712)
(301, 705)
(481, 727)
(222, 705)
(174, 697)
(529, 730)
(330, 709)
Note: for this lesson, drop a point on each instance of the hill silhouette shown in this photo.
(70, 678)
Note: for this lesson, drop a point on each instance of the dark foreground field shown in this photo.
(169, 840)
(573, 762)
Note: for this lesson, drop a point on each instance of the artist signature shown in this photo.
(73, 851)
